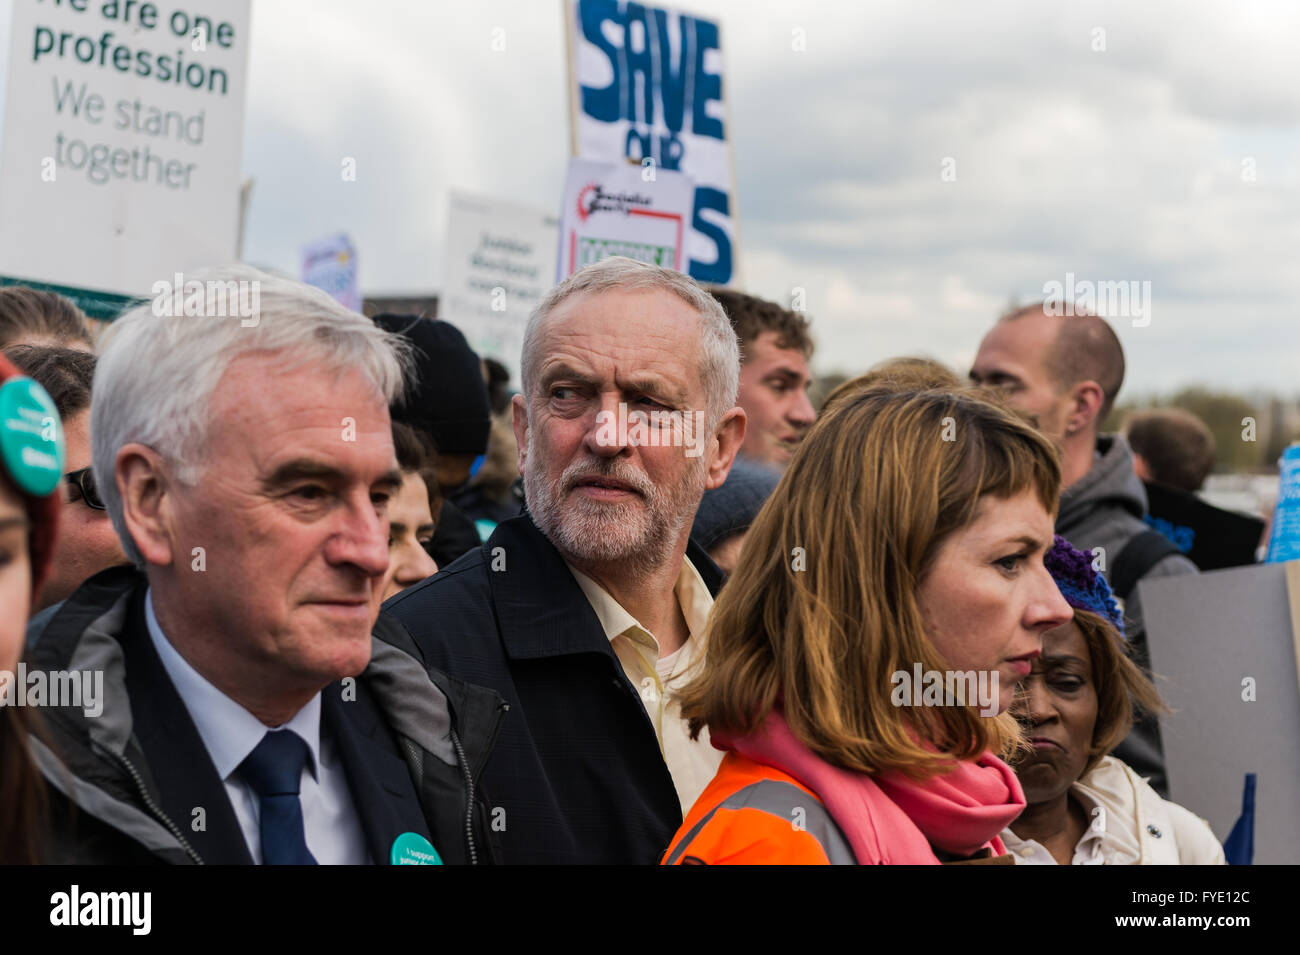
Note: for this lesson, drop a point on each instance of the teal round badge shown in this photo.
(31, 436)
(411, 848)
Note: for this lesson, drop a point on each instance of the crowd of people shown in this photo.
(350, 599)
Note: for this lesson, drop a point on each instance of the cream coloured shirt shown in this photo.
(692, 764)
(1130, 825)
(1097, 846)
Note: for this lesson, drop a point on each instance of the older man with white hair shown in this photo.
(252, 710)
(585, 611)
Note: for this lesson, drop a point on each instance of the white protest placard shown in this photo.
(1224, 646)
(123, 130)
(620, 209)
(646, 85)
(499, 262)
(331, 266)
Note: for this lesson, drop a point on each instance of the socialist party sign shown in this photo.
(617, 209)
(123, 129)
(646, 87)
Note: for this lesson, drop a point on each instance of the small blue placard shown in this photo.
(1284, 541)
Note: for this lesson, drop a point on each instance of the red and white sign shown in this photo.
(622, 209)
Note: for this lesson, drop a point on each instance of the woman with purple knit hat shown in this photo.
(1086, 807)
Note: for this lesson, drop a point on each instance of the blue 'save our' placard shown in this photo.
(647, 87)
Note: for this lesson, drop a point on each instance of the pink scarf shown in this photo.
(889, 819)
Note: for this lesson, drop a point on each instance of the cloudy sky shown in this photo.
(1117, 164)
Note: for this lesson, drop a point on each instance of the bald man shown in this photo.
(1066, 371)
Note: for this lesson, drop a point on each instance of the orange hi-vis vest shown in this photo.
(752, 814)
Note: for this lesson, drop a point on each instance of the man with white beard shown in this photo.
(585, 611)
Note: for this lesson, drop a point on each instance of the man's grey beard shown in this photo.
(639, 534)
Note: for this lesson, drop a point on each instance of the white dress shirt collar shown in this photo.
(228, 730)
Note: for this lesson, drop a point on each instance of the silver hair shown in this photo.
(164, 359)
(719, 347)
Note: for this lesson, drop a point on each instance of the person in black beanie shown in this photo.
(447, 402)
(726, 512)
(498, 386)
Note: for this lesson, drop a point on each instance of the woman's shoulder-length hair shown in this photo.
(823, 611)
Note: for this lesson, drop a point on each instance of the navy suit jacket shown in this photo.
(576, 775)
(183, 775)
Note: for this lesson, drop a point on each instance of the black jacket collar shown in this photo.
(542, 610)
(168, 752)
(378, 779)
(176, 760)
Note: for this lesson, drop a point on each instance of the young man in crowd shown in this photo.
(1172, 447)
(775, 350)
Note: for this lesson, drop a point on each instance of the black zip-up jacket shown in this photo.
(578, 776)
(108, 804)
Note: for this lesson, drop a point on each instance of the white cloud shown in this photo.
(1122, 164)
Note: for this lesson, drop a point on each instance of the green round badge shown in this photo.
(411, 848)
(31, 436)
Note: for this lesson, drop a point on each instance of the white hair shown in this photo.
(719, 347)
(163, 360)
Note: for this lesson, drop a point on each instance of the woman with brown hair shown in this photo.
(904, 545)
(31, 464)
(900, 374)
(1085, 807)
